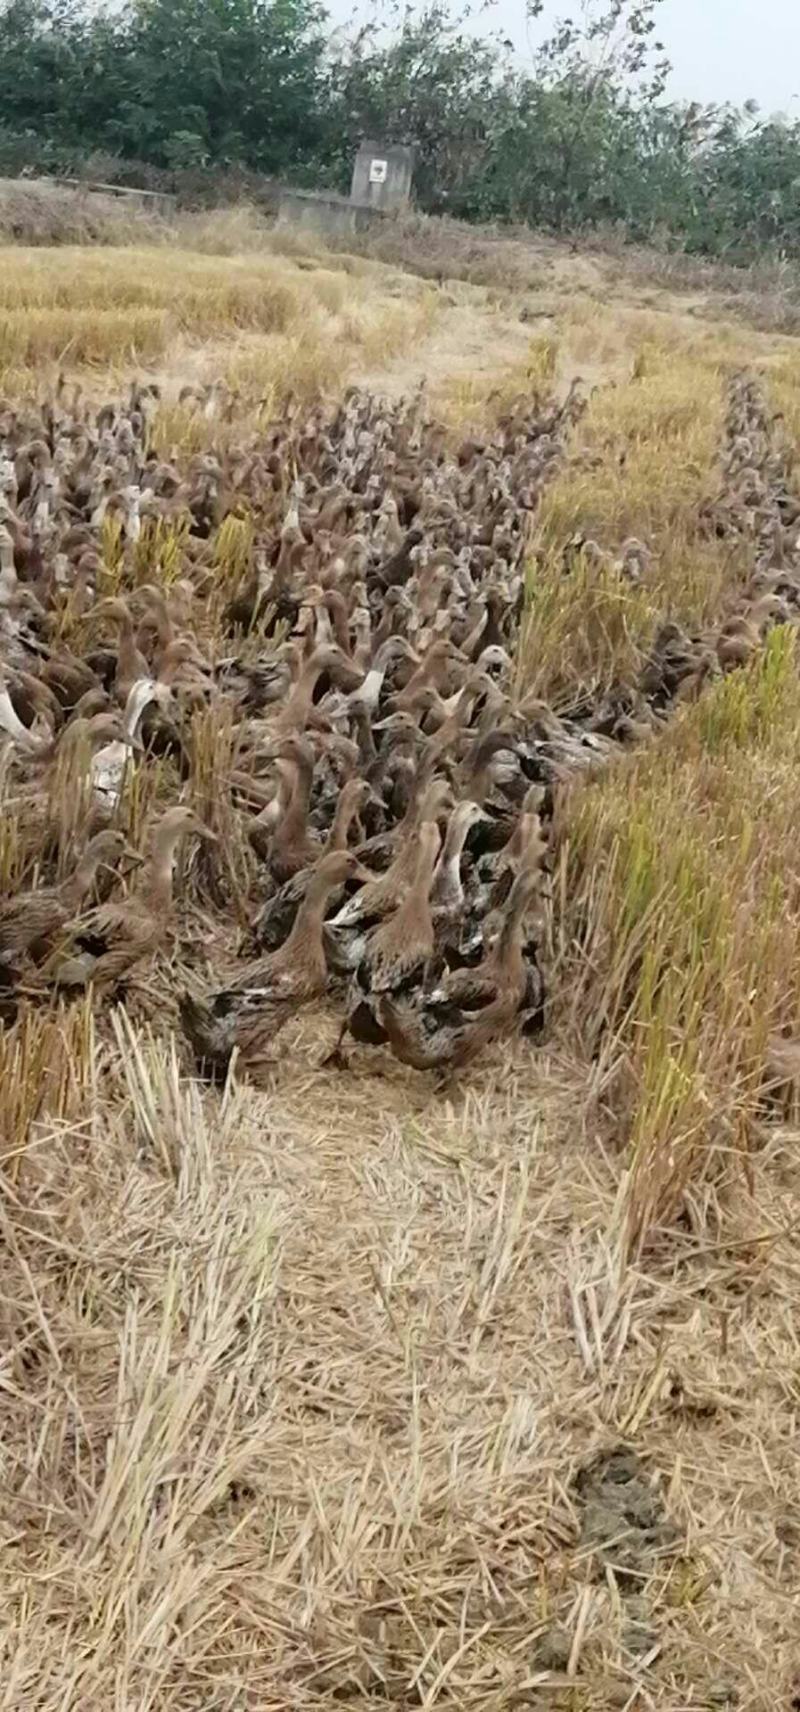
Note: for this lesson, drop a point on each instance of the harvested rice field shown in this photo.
(399, 984)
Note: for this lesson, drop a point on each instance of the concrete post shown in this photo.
(382, 176)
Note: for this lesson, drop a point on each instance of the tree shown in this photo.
(221, 80)
(432, 84)
(52, 81)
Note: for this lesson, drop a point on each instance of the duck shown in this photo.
(472, 1007)
(294, 715)
(131, 664)
(365, 698)
(109, 763)
(293, 846)
(110, 941)
(31, 920)
(397, 954)
(250, 1011)
(447, 891)
(71, 778)
(275, 921)
(384, 893)
(260, 829)
(737, 643)
(524, 851)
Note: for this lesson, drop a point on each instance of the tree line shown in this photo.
(153, 91)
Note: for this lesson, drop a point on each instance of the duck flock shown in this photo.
(389, 782)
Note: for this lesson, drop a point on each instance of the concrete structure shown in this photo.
(382, 176)
(381, 184)
(159, 201)
(320, 211)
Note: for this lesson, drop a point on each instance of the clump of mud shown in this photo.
(623, 1517)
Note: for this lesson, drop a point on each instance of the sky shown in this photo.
(721, 50)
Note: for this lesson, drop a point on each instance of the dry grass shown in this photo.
(34, 211)
(680, 876)
(643, 463)
(299, 1385)
(301, 1388)
(273, 323)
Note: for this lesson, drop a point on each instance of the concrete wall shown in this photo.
(319, 212)
(382, 176)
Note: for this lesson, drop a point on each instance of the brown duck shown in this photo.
(30, 921)
(277, 918)
(108, 942)
(472, 1006)
(293, 845)
(248, 1014)
(132, 665)
(396, 957)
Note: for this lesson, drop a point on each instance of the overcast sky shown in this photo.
(722, 50)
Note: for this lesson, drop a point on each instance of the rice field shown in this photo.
(342, 1392)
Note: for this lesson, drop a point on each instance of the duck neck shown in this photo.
(168, 666)
(306, 935)
(301, 793)
(457, 835)
(364, 737)
(275, 808)
(128, 657)
(478, 767)
(424, 676)
(299, 704)
(337, 609)
(323, 629)
(362, 645)
(159, 615)
(409, 824)
(285, 563)
(135, 710)
(296, 816)
(385, 627)
(508, 950)
(369, 691)
(162, 869)
(342, 822)
(417, 904)
(78, 887)
(473, 641)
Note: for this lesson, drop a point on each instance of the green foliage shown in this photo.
(584, 139)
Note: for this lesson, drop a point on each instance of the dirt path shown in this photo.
(471, 341)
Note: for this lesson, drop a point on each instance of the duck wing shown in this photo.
(275, 921)
(532, 1005)
(410, 1042)
(395, 962)
(468, 989)
(104, 944)
(344, 949)
(447, 1048)
(25, 921)
(260, 985)
(245, 1017)
(99, 928)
